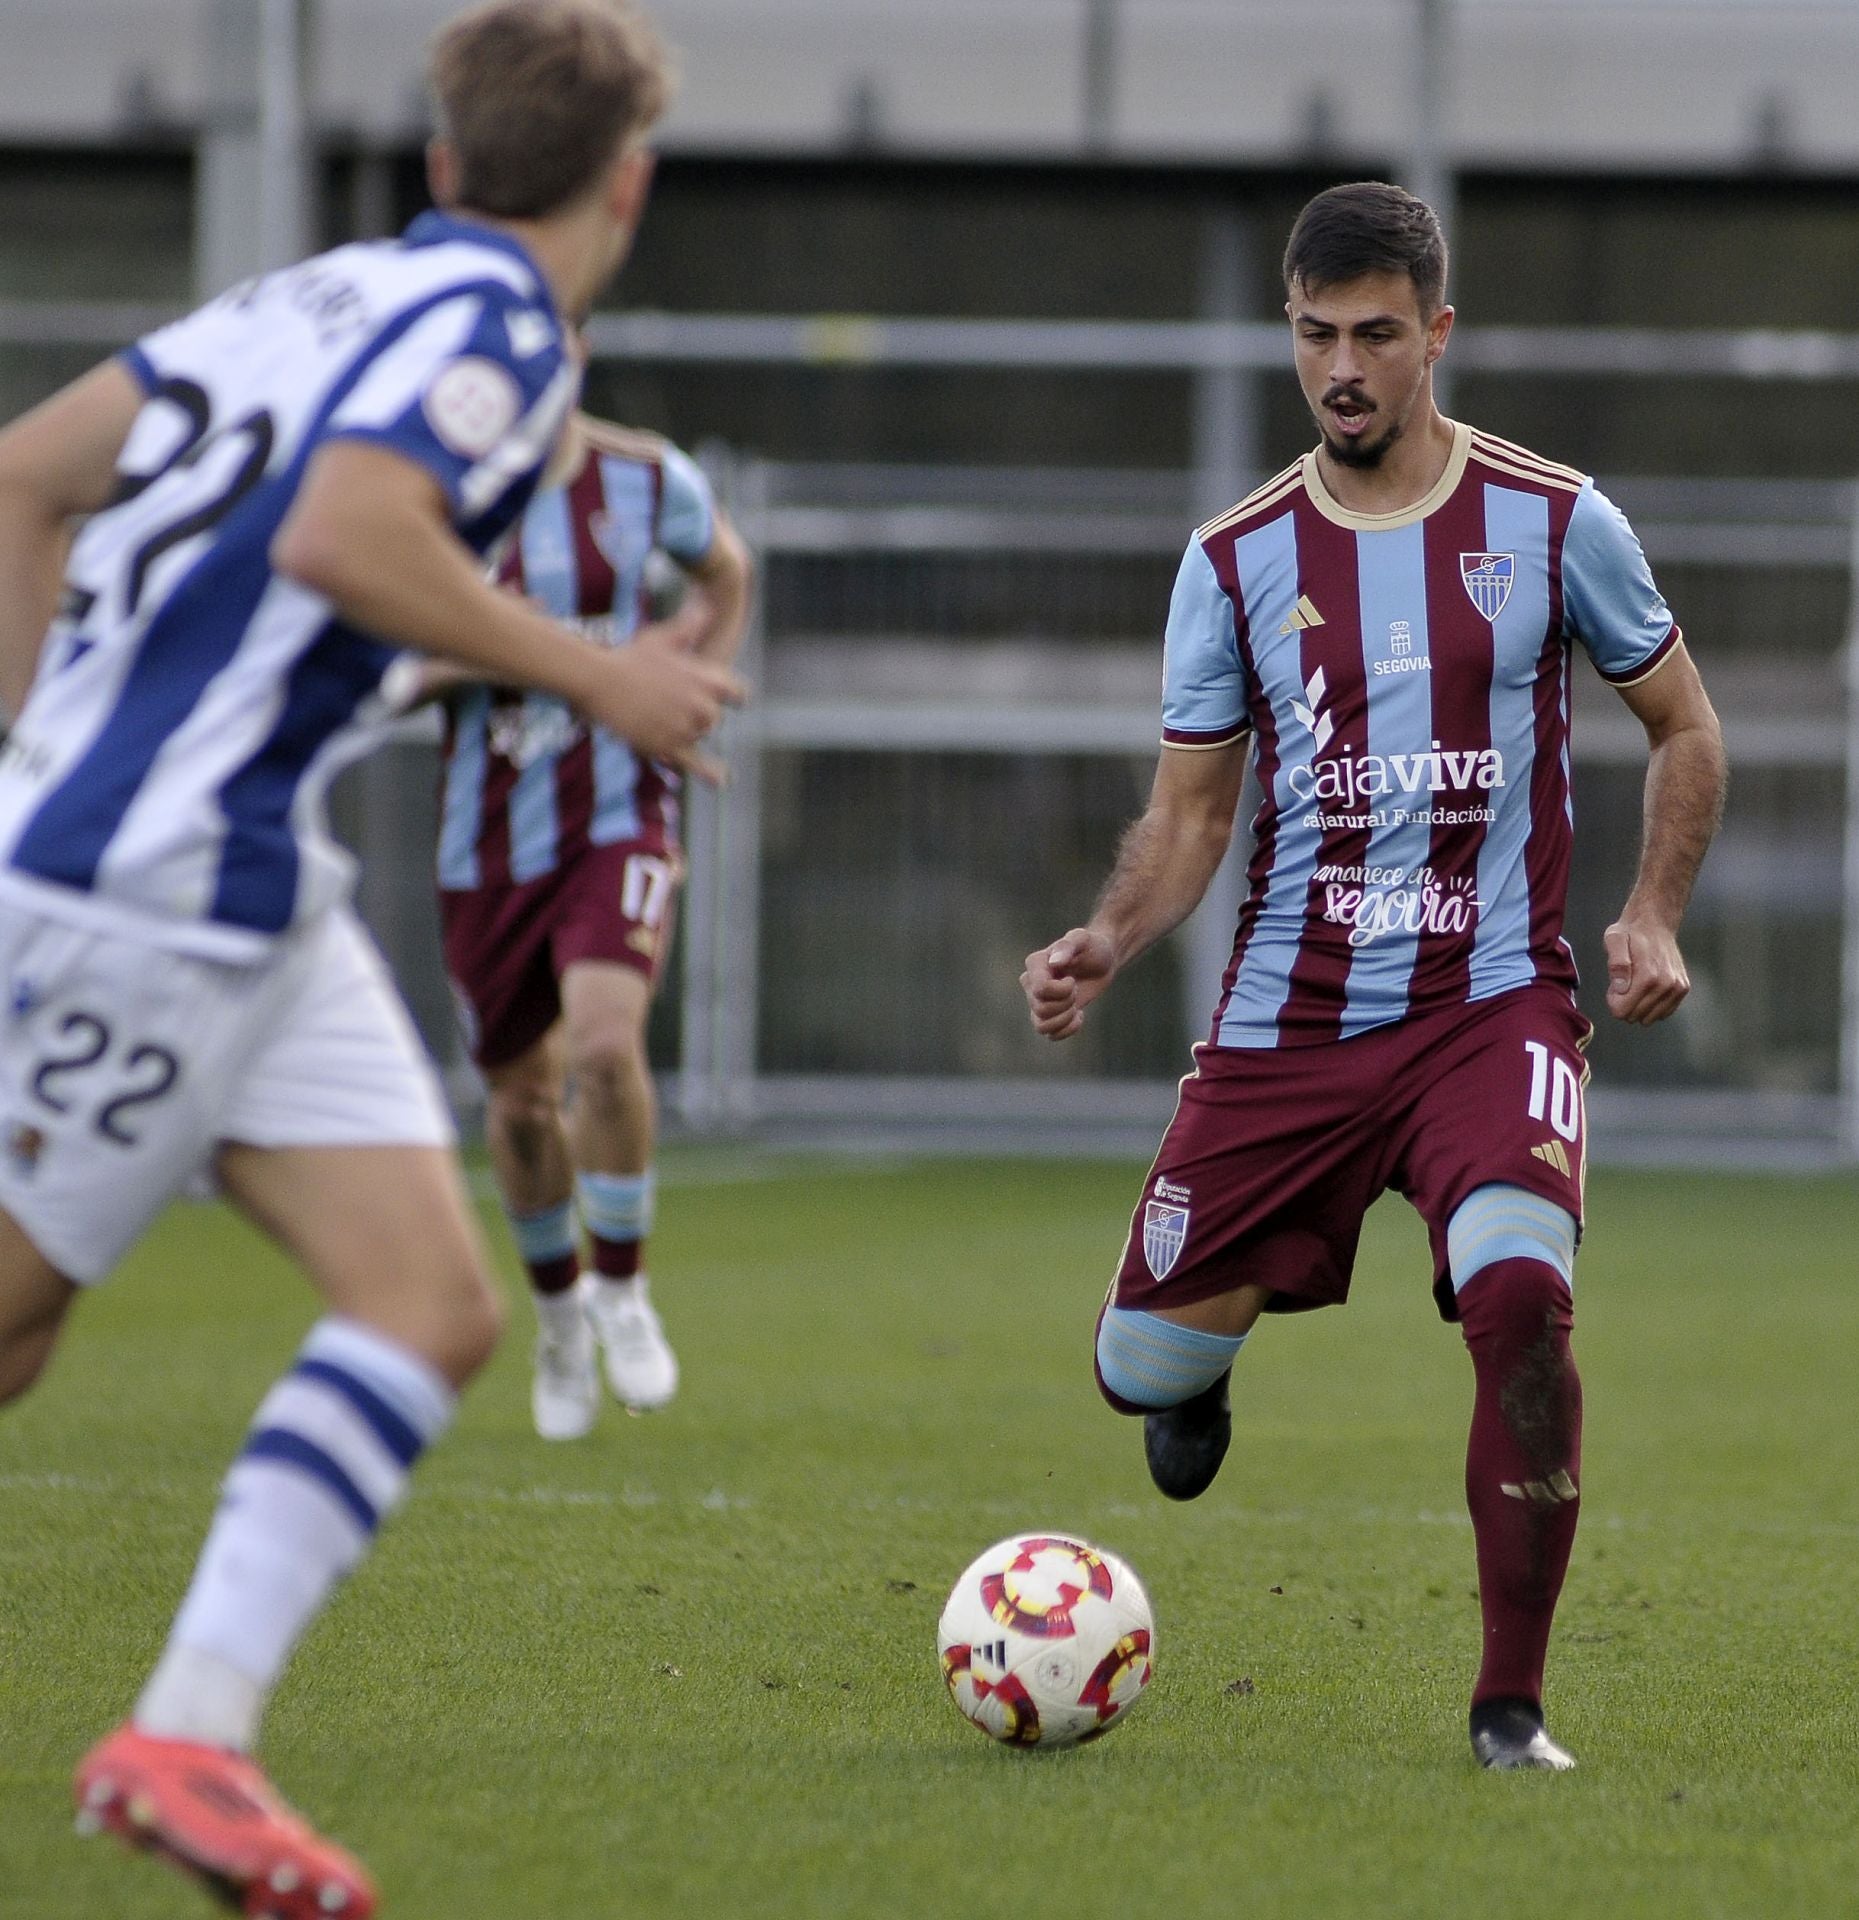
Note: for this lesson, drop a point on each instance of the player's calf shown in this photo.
(523, 1120)
(34, 1298)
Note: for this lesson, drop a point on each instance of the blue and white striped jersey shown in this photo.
(167, 772)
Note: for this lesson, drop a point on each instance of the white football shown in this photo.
(1046, 1641)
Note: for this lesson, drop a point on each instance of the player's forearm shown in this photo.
(725, 581)
(1166, 862)
(1686, 779)
(402, 576)
(56, 463)
(33, 545)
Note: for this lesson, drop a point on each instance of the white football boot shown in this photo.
(642, 1370)
(565, 1393)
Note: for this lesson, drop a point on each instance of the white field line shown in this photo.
(719, 1500)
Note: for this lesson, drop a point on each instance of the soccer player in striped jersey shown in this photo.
(559, 867)
(1390, 626)
(269, 497)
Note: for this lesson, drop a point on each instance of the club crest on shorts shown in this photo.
(1488, 578)
(24, 1144)
(1165, 1233)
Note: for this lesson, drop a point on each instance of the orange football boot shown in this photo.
(214, 1815)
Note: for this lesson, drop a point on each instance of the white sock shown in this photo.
(325, 1462)
(633, 1287)
(560, 1315)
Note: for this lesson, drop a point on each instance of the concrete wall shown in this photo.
(1669, 84)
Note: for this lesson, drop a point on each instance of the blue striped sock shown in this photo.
(546, 1242)
(325, 1462)
(616, 1209)
(1152, 1362)
(616, 1206)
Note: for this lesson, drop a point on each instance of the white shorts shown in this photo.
(125, 1066)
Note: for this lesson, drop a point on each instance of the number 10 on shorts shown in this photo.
(1555, 1090)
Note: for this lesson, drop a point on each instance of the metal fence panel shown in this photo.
(959, 674)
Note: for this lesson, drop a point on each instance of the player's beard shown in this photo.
(1364, 454)
(1369, 450)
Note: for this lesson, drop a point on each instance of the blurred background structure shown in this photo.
(972, 309)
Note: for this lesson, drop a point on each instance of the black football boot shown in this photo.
(1508, 1737)
(1185, 1444)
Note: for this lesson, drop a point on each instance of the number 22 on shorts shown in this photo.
(1555, 1090)
(137, 1075)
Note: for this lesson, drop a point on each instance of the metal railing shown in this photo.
(887, 686)
(913, 624)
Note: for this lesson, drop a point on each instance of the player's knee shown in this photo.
(607, 1064)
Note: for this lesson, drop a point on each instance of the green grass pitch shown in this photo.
(688, 1666)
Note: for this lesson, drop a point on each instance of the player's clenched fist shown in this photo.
(1646, 977)
(664, 703)
(1062, 979)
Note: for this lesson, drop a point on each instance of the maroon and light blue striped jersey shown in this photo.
(1406, 678)
(527, 783)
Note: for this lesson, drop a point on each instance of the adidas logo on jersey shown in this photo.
(1553, 1153)
(1303, 615)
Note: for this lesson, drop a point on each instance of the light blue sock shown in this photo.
(545, 1235)
(1509, 1223)
(616, 1206)
(1152, 1362)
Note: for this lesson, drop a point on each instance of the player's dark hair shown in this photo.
(536, 97)
(1368, 227)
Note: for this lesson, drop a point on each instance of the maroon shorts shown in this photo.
(506, 948)
(1275, 1154)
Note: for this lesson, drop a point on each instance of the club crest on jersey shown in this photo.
(622, 543)
(1488, 578)
(470, 405)
(1165, 1233)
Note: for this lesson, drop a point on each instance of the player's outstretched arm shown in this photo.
(370, 532)
(56, 462)
(1163, 867)
(1685, 782)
